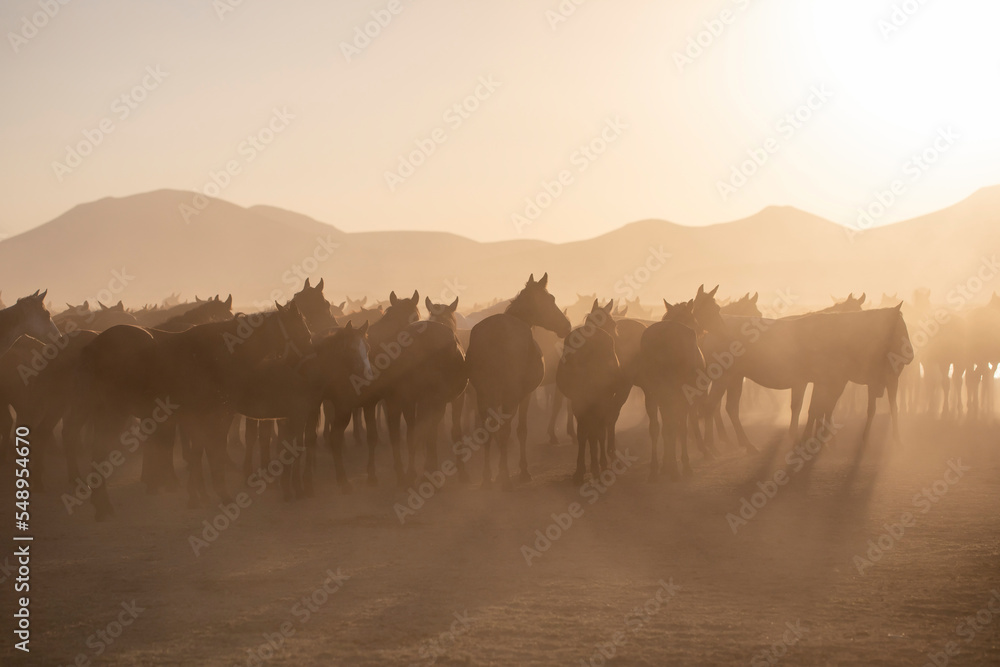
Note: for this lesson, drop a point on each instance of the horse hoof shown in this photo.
(524, 476)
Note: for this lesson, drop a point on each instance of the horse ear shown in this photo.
(427, 302)
(363, 301)
(712, 293)
(103, 307)
(454, 305)
(531, 279)
(392, 298)
(701, 290)
(608, 308)
(119, 305)
(349, 326)
(278, 307)
(622, 311)
(415, 299)
(544, 281)
(666, 304)
(197, 300)
(342, 304)
(861, 299)
(41, 297)
(229, 301)
(319, 285)
(86, 305)
(900, 306)
(755, 297)
(306, 286)
(595, 306)
(363, 329)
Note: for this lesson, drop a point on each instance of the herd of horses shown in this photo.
(307, 369)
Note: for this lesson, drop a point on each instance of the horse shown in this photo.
(590, 377)
(505, 366)
(291, 389)
(668, 364)
(446, 314)
(745, 306)
(27, 316)
(195, 376)
(205, 312)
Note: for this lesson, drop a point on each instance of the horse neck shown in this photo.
(12, 325)
(519, 310)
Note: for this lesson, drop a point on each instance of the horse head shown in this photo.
(535, 306)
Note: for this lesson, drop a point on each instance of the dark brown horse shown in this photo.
(27, 316)
(669, 362)
(205, 312)
(590, 377)
(199, 374)
(505, 367)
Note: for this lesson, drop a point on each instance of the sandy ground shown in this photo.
(652, 574)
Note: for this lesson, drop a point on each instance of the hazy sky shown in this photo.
(673, 130)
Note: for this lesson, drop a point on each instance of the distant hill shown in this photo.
(262, 252)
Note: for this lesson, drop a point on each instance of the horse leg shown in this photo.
(457, 431)
(412, 438)
(487, 480)
(214, 433)
(891, 388)
(733, 393)
(522, 437)
(652, 411)
(682, 431)
(669, 465)
(250, 429)
(556, 400)
(581, 456)
(106, 427)
(338, 428)
(503, 440)
(309, 435)
(873, 394)
(570, 427)
(588, 424)
(432, 417)
(393, 416)
(798, 394)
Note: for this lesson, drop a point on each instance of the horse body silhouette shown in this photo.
(505, 366)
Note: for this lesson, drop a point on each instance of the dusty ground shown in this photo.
(451, 584)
